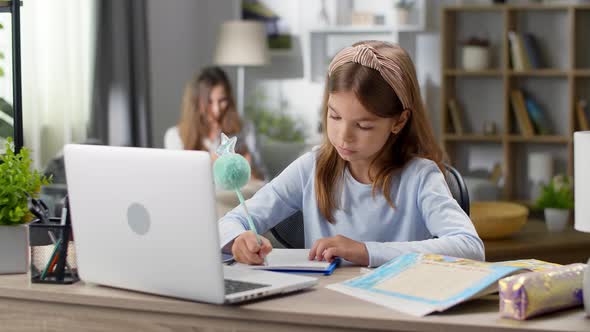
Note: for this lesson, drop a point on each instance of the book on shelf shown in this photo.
(420, 284)
(455, 117)
(524, 51)
(539, 119)
(517, 52)
(520, 112)
(581, 115)
(526, 63)
(532, 51)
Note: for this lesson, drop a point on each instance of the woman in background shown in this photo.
(207, 110)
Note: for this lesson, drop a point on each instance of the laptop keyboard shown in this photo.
(234, 286)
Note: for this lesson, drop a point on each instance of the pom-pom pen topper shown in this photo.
(231, 171)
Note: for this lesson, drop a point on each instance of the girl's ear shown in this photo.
(401, 122)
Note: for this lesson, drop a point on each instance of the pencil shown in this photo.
(52, 260)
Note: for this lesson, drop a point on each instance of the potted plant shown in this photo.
(18, 183)
(476, 53)
(556, 200)
(403, 8)
(281, 135)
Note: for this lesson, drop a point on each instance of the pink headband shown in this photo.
(368, 56)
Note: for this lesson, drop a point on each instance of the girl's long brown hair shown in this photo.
(193, 126)
(416, 139)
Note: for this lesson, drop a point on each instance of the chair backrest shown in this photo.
(290, 232)
(457, 187)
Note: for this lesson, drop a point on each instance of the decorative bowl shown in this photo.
(497, 220)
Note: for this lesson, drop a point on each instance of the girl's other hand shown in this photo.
(247, 250)
(329, 248)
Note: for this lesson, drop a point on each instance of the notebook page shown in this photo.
(294, 258)
(290, 259)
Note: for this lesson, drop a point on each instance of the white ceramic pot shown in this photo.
(556, 219)
(14, 246)
(475, 57)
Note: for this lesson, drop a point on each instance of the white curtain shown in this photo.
(57, 61)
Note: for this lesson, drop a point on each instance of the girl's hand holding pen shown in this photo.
(231, 171)
(329, 248)
(247, 250)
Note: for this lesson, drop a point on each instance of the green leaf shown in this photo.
(18, 181)
(556, 194)
(274, 124)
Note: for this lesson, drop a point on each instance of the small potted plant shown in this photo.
(18, 183)
(281, 135)
(556, 200)
(475, 53)
(403, 8)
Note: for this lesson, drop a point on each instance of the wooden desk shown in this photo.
(534, 241)
(34, 307)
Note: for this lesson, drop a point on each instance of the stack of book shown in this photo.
(524, 51)
(530, 118)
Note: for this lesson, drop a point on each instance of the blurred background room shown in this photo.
(505, 84)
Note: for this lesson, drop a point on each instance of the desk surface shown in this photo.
(534, 241)
(25, 306)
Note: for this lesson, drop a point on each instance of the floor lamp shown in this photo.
(241, 44)
(582, 197)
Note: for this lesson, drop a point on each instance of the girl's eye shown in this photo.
(363, 127)
(334, 117)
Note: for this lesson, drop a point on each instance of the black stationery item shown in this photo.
(39, 209)
(45, 248)
(61, 260)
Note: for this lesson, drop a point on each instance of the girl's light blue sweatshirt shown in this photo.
(426, 218)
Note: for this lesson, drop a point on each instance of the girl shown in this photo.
(208, 108)
(375, 188)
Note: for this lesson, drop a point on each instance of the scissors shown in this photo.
(39, 209)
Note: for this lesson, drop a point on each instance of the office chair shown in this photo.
(290, 233)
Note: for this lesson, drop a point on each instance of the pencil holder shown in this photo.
(52, 252)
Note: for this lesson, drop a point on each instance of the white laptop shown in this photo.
(145, 219)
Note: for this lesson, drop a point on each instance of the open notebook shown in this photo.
(420, 284)
(295, 261)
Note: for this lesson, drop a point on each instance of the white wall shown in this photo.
(182, 36)
(286, 81)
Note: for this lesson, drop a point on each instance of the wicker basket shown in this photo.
(496, 220)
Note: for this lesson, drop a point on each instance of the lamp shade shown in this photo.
(582, 180)
(242, 43)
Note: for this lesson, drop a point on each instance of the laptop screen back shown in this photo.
(144, 219)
